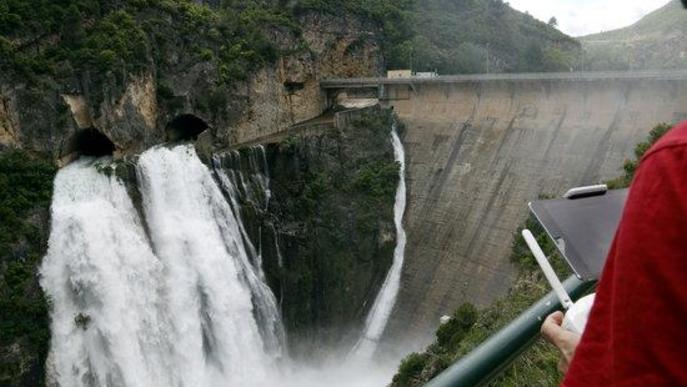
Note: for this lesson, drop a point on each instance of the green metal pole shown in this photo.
(500, 350)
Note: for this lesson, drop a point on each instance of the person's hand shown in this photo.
(566, 341)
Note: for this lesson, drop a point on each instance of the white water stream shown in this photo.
(108, 326)
(384, 303)
(218, 300)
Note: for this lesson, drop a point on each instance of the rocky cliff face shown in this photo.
(134, 111)
(25, 193)
(289, 92)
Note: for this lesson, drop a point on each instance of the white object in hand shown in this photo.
(576, 317)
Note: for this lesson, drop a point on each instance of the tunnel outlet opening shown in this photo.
(293, 87)
(91, 142)
(185, 127)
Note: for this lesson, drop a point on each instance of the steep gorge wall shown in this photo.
(289, 92)
(479, 151)
(325, 233)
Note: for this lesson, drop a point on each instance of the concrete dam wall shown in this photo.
(479, 150)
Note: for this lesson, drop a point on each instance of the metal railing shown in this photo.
(493, 356)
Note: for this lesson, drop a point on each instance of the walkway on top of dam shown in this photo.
(337, 83)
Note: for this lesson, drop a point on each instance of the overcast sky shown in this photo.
(583, 17)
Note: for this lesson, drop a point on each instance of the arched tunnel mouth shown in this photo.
(91, 142)
(185, 127)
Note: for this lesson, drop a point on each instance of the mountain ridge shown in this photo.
(473, 36)
(657, 41)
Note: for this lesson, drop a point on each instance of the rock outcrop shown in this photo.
(283, 95)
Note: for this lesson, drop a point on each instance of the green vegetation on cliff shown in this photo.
(462, 36)
(117, 38)
(48, 40)
(393, 16)
(630, 166)
(25, 193)
(468, 327)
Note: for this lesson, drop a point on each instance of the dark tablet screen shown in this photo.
(583, 229)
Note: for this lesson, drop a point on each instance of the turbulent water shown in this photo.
(186, 308)
(178, 298)
(108, 323)
(213, 284)
(386, 299)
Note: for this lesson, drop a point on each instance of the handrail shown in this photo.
(488, 360)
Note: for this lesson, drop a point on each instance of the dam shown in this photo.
(479, 147)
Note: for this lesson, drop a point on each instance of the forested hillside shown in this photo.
(657, 41)
(452, 36)
(56, 39)
(477, 36)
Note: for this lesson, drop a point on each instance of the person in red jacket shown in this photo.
(637, 330)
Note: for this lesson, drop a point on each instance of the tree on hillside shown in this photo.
(553, 22)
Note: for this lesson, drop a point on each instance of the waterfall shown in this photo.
(384, 303)
(254, 189)
(102, 277)
(186, 308)
(249, 174)
(213, 283)
(268, 311)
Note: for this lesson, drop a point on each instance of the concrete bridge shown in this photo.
(479, 147)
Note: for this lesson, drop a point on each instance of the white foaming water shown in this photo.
(103, 280)
(188, 311)
(268, 314)
(384, 303)
(213, 286)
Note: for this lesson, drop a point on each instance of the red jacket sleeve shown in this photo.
(637, 331)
